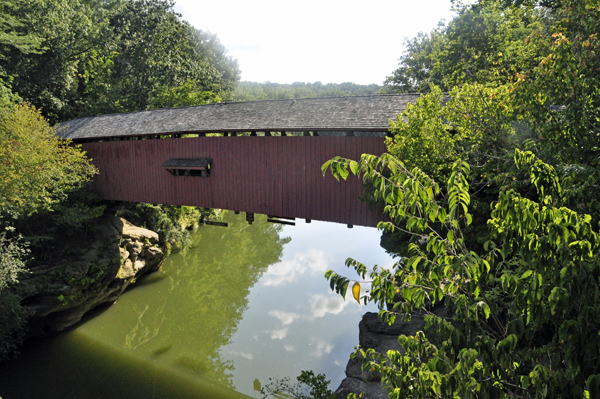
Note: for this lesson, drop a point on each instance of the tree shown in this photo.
(68, 33)
(252, 91)
(36, 171)
(483, 44)
(524, 319)
(11, 27)
(37, 168)
(506, 237)
(97, 57)
(417, 70)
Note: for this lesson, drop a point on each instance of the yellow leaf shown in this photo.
(356, 291)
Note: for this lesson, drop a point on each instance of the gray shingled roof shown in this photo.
(357, 113)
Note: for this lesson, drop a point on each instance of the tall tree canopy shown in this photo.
(482, 44)
(95, 56)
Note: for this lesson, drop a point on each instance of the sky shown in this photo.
(330, 41)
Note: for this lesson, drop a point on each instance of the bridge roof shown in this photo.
(353, 113)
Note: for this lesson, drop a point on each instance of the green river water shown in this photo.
(245, 303)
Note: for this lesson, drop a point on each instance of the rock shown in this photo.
(126, 271)
(354, 370)
(124, 254)
(382, 337)
(152, 253)
(370, 390)
(128, 230)
(61, 293)
(371, 322)
(139, 264)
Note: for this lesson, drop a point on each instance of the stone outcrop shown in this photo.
(62, 291)
(382, 337)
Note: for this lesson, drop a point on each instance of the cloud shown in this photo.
(285, 317)
(322, 348)
(322, 305)
(245, 355)
(279, 334)
(289, 270)
(289, 348)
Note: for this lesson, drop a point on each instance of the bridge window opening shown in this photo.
(196, 167)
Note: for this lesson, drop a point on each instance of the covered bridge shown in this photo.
(255, 157)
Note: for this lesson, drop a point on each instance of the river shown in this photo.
(244, 304)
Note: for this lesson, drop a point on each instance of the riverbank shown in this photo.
(75, 268)
(61, 291)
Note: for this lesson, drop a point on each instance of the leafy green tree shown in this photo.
(96, 57)
(484, 44)
(417, 70)
(37, 168)
(505, 239)
(68, 31)
(12, 32)
(472, 122)
(186, 94)
(524, 321)
(13, 315)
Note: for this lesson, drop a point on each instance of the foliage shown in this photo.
(13, 254)
(252, 91)
(417, 70)
(11, 28)
(525, 320)
(155, 50)
(472, 122)
(483, 44)
(187, 94)
(13, 318)
(37, 168)
(562, 94)
(12, 260)
(169, 221)
(96, 57)
(309, 386)
(508, 244)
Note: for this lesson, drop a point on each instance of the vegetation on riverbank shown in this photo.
(494, 206)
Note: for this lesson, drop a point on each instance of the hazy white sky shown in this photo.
(330, 41)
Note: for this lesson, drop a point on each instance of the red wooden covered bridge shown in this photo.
(254, 157)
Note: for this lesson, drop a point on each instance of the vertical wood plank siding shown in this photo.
(269, 175)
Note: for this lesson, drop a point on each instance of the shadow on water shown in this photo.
(162, 339)
(60, 368)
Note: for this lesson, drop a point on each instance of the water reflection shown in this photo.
(187, 316)
(245, 304)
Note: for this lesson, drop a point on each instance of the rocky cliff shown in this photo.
(61, 291)
(382, 337)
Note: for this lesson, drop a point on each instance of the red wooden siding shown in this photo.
(269, 175)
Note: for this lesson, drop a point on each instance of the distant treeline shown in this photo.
(251, 91)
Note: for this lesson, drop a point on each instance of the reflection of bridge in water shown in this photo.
(263, 156)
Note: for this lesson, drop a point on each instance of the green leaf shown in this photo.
(526, 274)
